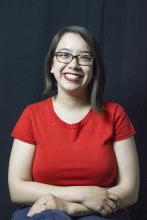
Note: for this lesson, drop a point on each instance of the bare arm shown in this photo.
(128, 167)
(21, 185)
(24, 190)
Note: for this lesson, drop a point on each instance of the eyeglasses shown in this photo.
(83, 59)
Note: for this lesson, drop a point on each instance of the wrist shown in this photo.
(87, 191)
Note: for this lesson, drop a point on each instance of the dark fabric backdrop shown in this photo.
(26, 30)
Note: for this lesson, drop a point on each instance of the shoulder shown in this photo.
(38, 106)
(36, 109)
(117, 115)
(113, 107)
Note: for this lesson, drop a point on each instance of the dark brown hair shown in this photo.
(96, 85)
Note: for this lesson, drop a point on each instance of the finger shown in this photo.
(35, 213)
(36, 209)
(30, 214)
(42, 205)
(113, 197)
(111, 204)
(103, 212)
(33, 209)
(34, 206)
(108, 209)
(44, 199)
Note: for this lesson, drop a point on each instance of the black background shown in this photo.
(26, 30)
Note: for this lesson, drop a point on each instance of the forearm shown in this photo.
(28, 192)
(76, 209)
(128, 172)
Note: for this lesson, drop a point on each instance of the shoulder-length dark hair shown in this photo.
(96, 85)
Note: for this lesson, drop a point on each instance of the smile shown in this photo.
(73, 77)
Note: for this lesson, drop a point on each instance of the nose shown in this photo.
(74, 63)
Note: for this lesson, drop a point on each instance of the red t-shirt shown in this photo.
(73, 154)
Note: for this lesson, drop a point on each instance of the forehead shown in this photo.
(72, 42)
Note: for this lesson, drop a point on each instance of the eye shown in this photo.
(63, 55)
(85, 57)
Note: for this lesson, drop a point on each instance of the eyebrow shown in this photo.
(64, 49)
(68, 50)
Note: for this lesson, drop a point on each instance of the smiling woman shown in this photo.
(74, 154)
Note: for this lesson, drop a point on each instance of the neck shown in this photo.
(70, 101)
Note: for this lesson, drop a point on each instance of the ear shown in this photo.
(52, 71)
(52, 67)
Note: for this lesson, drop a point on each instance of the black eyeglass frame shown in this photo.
(72, 57)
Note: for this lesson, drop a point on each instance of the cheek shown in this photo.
(57, 68)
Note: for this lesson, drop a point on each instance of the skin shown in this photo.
(74, 200)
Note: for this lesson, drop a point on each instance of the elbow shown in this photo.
(131, 192)
(14, 191)
(16, 197)
(12, 198)
(128, 195)
(135, 194)
(134, 198)
(13, 195)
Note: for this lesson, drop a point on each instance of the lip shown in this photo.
(77, 74)
(73, 80)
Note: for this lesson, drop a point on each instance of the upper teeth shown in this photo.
(72, 76)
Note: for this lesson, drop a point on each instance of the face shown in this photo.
(72, 76)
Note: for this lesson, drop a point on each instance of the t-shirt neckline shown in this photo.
(58, 120)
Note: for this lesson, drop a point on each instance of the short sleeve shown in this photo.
(23, 129)
(122, 127)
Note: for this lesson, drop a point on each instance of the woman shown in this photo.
(74, 155)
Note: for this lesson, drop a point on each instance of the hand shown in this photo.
(47, 202)
(50, 202)
(100, 200)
